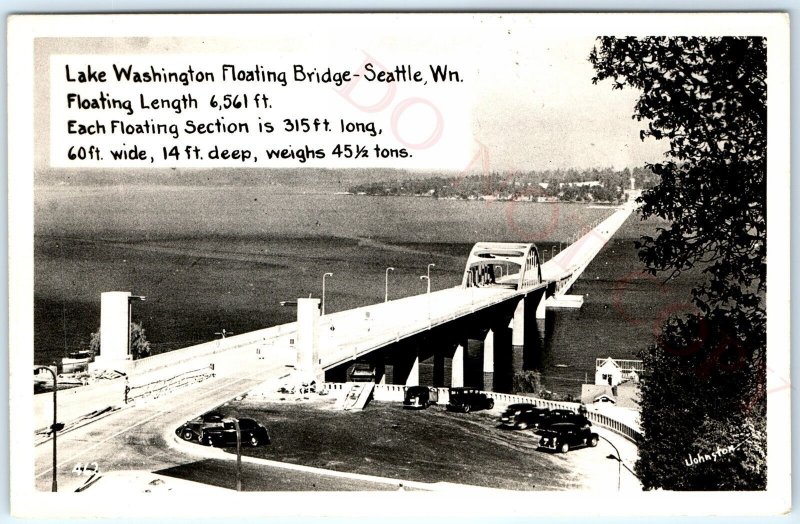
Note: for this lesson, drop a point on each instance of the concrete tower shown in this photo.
(114, 325)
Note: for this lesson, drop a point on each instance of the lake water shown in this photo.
(209, 258)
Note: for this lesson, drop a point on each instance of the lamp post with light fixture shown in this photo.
(323, 290)
(56, 427)
(386, 286)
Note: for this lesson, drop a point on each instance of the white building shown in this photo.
(613, 372)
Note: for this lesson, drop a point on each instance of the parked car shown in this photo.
(468, 399)
(252, 433)
(523, 416)
(563, 436)
(77, 361)
(556, 416)
(193, 429)
(420, 397)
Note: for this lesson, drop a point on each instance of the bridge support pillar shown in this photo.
(308, 362)
(488, 361)
(457, 380)
(388, 373)
(438, 369)
(380, 369)
(517, 325)
(114, 325)
(541, 310)
(413, 374)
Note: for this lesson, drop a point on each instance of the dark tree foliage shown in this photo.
(526, 382)
(707, 97)
(140, 346)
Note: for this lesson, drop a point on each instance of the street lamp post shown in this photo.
(618, 459)
(386, 287)
(238, 455)
(323, 290)
(429, 275)
(55, 427)
(425, 277)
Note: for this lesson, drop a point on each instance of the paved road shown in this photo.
(137, 438)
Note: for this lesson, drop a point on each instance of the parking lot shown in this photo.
(430, 445)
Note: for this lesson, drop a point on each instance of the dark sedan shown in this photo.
(468, 399)
(193, 429)
(252, 433)
(524, 416)
(564, 436)
(556, 416)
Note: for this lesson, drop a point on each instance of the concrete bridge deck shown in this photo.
(356, 333)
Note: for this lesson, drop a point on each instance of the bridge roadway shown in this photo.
(138, 437)
(361, 330)
(356, 333)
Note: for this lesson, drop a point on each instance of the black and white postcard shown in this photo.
(495, 264)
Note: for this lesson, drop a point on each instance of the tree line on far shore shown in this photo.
(564, 185)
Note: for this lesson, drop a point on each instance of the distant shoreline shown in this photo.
(600, 204)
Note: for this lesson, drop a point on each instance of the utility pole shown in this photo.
(238, 455)
(323, 291)
(55, 427)
(386, 287)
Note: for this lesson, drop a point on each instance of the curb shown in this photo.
(216, 453)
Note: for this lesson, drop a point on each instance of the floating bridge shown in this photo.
(423, 338)
(504, 286)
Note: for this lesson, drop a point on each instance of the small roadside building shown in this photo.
(608, 373)
(624, 395)
(611, 372)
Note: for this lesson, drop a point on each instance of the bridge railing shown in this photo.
(396, 393)
(158, 388)
(375, 338)
(188, 354)
(602, 420)
(605, 421)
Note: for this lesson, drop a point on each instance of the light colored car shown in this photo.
(420, 397)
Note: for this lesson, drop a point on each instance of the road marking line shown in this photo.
(157, 414)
